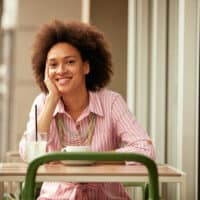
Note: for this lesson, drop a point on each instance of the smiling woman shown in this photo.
(89, 42)
(66, 69)
(72, 64)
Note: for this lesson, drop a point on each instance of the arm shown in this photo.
(131, 135)
(46, 114)
(46, 106)
(29, 134)
(51, 101)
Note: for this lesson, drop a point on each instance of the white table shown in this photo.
(99, 172)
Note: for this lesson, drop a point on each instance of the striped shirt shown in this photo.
(116, 129)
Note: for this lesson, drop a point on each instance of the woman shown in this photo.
(72, 65)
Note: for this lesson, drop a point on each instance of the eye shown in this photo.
(52, 65)
(70, 62)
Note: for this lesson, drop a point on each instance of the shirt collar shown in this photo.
(59, 108)
(94, 105)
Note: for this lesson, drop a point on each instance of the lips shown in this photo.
(63, 81)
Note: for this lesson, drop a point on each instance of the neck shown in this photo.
(76, 103)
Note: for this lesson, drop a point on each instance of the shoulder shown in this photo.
(39, 101)
(40, 98)
(108, 94)
(110, 98)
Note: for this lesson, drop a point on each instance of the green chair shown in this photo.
(29, 185)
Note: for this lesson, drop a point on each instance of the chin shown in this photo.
(64, 92)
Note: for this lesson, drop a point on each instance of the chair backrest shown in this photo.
(28, 190)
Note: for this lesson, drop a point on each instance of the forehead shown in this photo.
(60, 50)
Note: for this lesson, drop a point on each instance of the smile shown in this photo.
(63, 80)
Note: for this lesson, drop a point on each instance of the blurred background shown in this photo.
(155, 46)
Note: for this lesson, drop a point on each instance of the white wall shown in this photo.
(20, 22)
(163, 68)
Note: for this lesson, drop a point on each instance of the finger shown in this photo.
(46, 75)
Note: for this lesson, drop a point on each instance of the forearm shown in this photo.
(45, 117)
(144, 147)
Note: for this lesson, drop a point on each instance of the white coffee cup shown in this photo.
(35, 149)
(77, 149)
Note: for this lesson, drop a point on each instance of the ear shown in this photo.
(86, 67)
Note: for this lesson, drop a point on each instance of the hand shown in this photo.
(52, 89)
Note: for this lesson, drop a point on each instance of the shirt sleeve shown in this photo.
(132, 136)
(29, 134)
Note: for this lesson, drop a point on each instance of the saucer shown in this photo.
(78, 162)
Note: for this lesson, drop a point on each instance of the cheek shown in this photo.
(52, 73)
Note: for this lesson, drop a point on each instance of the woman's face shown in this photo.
(66, 68)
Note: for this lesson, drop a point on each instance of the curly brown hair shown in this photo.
(87, 39)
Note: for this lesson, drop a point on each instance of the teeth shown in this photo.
(63, 81)
(63, 78)
(66, 78)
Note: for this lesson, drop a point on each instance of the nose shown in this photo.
(61, 68)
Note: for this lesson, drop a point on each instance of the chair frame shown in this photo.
(28, 190)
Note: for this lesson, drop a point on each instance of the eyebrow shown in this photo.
(65, 57)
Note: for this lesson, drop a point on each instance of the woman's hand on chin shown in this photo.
(52, 89)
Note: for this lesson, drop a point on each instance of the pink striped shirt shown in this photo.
(115, 129)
